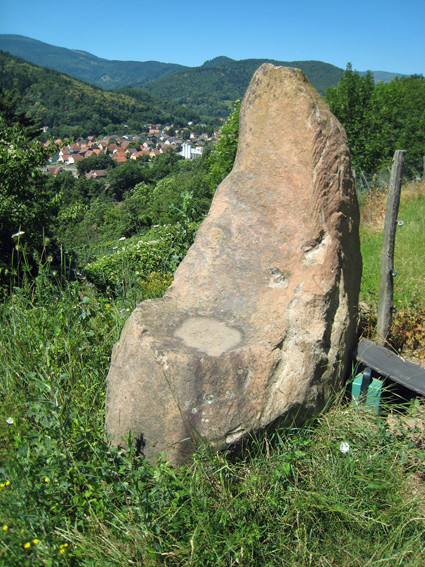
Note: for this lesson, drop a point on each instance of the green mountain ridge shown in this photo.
(70, 107)
(83, 65)
(212, 88)
(208, 90)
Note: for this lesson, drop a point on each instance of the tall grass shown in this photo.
(292, 498)
(409, 256)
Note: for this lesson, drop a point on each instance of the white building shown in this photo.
(190, 152)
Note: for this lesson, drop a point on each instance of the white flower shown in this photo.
(18, 234)
(344, 447)
(122, 238)
(10, 421)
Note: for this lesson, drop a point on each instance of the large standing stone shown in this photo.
(260, 320)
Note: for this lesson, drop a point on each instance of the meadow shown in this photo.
(346, 489)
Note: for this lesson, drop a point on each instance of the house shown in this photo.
(55, 170)
(119, 156)
(64, 154)
(73, 158)
(95, 174)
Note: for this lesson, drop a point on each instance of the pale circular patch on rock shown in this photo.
(208, 335)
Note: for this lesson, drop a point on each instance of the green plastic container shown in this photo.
(366, 391)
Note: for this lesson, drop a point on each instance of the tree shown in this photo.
(125, 177)
(351, 102)
(398, 111)
(95, 162)
(27, 207)
(381, 118)
(221, 159)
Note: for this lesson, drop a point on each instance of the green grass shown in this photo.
(409, 254)
(293, 498)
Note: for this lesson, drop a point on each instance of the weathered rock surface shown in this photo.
(260, 320)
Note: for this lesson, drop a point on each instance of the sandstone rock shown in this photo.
(260, 320)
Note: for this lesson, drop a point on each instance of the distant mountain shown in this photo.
(85, 66)
(383, 76)
(73, 108)
(212, 88)
(209, 89)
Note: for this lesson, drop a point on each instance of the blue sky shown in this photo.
(371, 34)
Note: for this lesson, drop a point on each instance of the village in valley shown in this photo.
(156, 140)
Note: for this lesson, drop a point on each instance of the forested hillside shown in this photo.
(212, 88)
(85, 66)
(73, 108)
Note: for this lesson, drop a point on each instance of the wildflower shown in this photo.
(46, 479)
(18, 234)
(10, 421)
(62, 547)
(344, 447)
(27, 545)
(2, 485)
(7, 482)
(5, 528)
(122, 238)
(35, 541)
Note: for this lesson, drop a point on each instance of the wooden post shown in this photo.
(386, 288)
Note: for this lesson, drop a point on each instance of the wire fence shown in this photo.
(372, 182)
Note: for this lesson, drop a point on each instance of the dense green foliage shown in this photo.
(85, 66)
(381, 118)
(212, 88)
(223, 156)
(27, 208)
(72, 108)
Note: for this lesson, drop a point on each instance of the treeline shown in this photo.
(380, 118)
(72, 108)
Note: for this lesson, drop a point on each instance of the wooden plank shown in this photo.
(391, 366)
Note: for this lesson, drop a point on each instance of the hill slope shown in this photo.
(73, 108)
(85, 66)
(213, 87)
